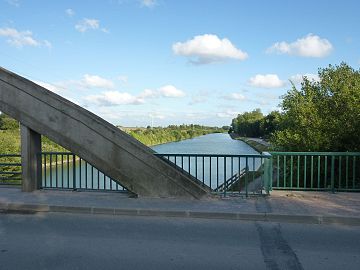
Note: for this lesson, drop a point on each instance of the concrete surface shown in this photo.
(281, 206)
(106, 147)
(30, 159)
(71, 241)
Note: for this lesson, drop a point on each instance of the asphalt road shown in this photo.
(69, 241)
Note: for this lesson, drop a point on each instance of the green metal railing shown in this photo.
(333, 171)
(64, 170)
(225, 174)
(10, 169)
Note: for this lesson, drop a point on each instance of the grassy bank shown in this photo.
(159, 135)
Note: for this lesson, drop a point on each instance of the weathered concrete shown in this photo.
(111, 150)
(31, 159)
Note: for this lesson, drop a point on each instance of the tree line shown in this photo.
(321, 115)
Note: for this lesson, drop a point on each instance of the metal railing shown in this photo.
(64, 170)
(225, 174)
(333, 171)
(10, 169)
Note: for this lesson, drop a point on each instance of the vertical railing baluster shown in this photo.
(45, 180)
(291, 171)
(284, 174)
(347, 172)
(68, 171)
(312, 172)
(339, 180)
(74, 172)
(80, 174)
(62, 171)
(92, 176)
(98, 179)
(278, 172)
(332, 174)
(225, 185)
(318, 173)
(246, 177)
(203, 170)
(56, 170)
(210, 172)
(298, 171)
(325, 183)
(196, 167)
(354, 172)
(305, 171)
(217, 171)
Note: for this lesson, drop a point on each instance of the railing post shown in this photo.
(30, 159)
(267, 172)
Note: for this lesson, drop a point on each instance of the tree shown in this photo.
(323, 115)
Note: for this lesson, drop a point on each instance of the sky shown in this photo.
(162, 62)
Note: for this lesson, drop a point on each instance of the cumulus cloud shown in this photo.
(15, 3)
(298, 78)
(70, 12)
(89, 24)
(227, 114)
(171, 91)
(48, 86)
(266, 81)
(235, 96)
(123, 78)
(113, 98)
(167, 91)
(95, 81)
(206, 49)
(20, 39)
(148, 3)
(308, 46)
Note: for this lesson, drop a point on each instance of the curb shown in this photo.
(14, 208)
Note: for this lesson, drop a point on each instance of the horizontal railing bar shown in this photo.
(9, 179)
(10, 164)
(10, 184)
(9, 155)
(315, 153)
(57, 153)
(10, 172)
(212, 155)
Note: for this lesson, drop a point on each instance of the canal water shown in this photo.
(211, 170)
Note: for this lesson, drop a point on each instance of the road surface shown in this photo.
(70, 241)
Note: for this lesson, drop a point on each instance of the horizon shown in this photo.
(159, 63)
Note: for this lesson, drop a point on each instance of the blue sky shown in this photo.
(138, 62)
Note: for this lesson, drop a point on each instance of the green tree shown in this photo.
(322, 115)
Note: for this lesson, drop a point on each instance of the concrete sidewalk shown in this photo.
(281, 206)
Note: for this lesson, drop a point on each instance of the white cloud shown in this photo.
(70, 12)
(207, 49)
(308, 46)
(123, 78)
(235, 96)
(266, 81)
(148, 3)
(89, 24)
(171, 91)
(298, 78)
(227, 114)
(20, 39)
(167, 91)
(95, 81)
(48, 86)
(15, 3)
(113, 98)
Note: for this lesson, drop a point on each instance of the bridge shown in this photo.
(102, 157)
(127, 161)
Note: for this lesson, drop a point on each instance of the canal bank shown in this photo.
(258, 144)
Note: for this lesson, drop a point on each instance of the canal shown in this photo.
(212, 171)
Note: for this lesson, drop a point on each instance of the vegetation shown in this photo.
(158, 135)
(320, 116)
